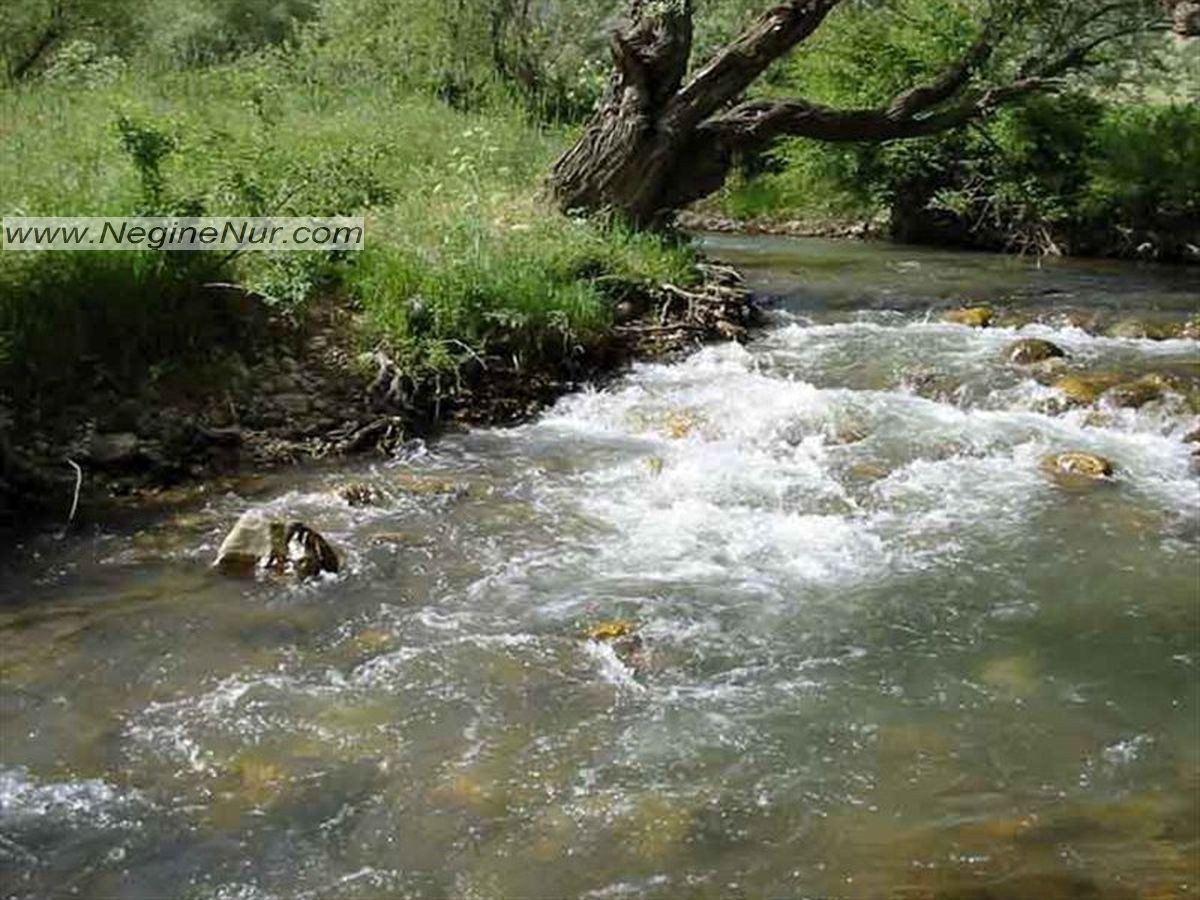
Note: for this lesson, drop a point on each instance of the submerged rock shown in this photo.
(1076, 468)
(1013, 675)
(1134, 394)
(849, 433)
(1033, 350)
(1127, 328)
(1085, 390)
(971, 316)
(681, 423)
(427, 484)
(257, 541)
(1155, 331)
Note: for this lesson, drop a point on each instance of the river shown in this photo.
(882, 653)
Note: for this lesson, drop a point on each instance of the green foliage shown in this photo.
(72, 321)
(438, 121)
(448, 195)
(198, 33)
(1118, 149)
(1145, 161)
(80, 64)
(147, 145)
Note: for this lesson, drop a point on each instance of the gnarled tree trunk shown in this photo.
(661, 139)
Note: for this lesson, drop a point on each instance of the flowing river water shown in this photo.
(882, 654)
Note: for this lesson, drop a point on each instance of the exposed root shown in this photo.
(718, 309)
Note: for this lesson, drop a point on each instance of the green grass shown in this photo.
(463, 256)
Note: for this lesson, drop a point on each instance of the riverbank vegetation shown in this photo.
(1109, 164)
(439, 122)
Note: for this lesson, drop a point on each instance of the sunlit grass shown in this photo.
(463, 255)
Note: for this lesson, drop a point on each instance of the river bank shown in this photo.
(1175, 243)
(313, 393)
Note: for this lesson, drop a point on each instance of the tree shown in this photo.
(664, 136)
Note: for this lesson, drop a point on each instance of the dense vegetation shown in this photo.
(1107, 163)
(439, 121)
(275, 119)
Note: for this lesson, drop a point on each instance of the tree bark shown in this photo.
(659, 141)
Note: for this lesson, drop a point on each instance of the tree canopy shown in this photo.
(670, 128)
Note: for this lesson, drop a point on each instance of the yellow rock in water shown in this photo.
(972, 316)
(1076, 469)
(426, 484)
(654, 465)
(1014, 675)
(373, 640)
(260, 779)
(611, 630)
(1085, 389)
(681, 423)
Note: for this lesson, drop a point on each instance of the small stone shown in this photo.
(1076, 468)
(849, 433)
(1033, 350)
(867, 472)
(1135, 329)
(357, 493)
(625, 311)
(731, 331)
(611, 630)
(972, 316)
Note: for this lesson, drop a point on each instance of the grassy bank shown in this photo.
(462, 257)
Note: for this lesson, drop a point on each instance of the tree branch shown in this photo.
(920, 111)
(753, 125)
(949, 83)
(726, 77)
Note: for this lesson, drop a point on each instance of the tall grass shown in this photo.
(462, 256)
